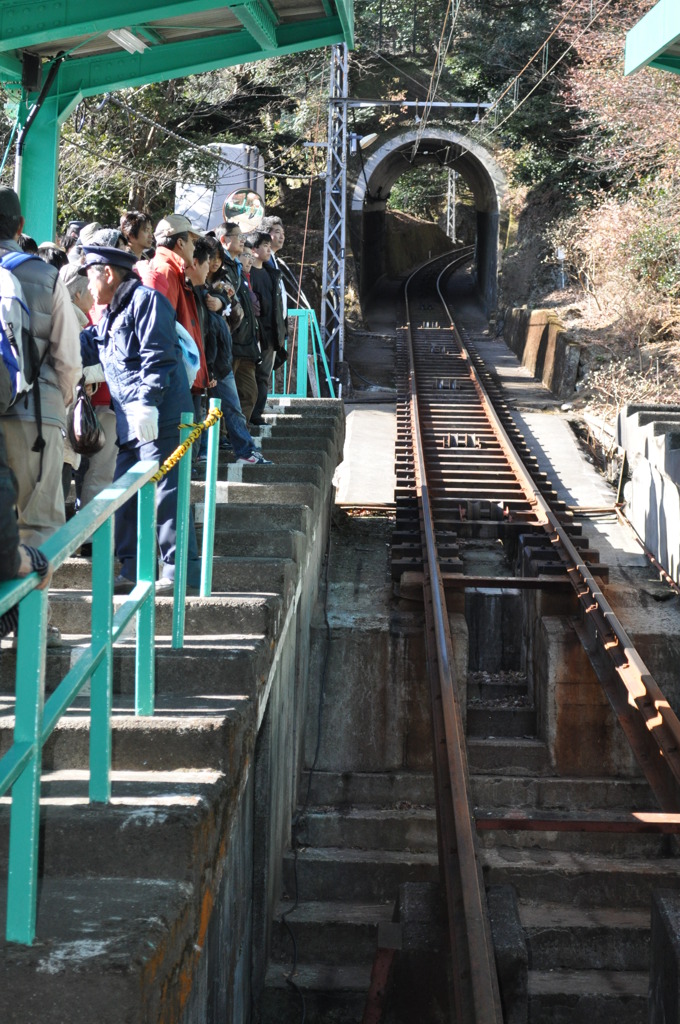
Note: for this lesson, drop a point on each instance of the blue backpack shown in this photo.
(18, 349)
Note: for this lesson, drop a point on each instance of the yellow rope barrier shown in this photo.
(213, 416)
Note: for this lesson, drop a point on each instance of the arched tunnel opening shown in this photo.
(376, 254)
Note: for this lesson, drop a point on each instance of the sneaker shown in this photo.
(255, 459)
(257, 421)
(53, 637)
(122, 585)
(226, 445)
(165, 587)
(202, 460)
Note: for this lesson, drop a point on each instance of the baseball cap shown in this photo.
(107, 255)
(9, 202)
(174, 224)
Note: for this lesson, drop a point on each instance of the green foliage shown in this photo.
(421, 192)
(655, 256)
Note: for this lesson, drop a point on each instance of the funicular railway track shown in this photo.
(463, 470)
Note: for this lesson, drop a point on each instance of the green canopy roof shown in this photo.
(655, 41)
(82, 52)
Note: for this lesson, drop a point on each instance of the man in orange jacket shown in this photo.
(166, 272)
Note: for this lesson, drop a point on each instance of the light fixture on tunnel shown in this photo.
(127, 40)
(360, 142)
(476, 118)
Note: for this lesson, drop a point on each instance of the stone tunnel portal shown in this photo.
(385, 165)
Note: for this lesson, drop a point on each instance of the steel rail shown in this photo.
(650, 724)
(476, 993)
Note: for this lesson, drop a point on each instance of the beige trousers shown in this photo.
(40, 503)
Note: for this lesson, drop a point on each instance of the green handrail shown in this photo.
(308, 327)
(20, 768)
(35, 718)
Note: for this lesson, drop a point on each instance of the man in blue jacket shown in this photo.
(136, 342)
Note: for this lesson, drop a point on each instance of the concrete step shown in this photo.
(183, 734)
(220, 615)
(370, 829)
(268, 543)
(246, 574)
(332, 993)
(328, 932)
(283, 492)
(579, 879)
(496, 685)
(356, 875)
(259, 517)
(207, 666)
(588, 997)
(156, 825)
(501, 754)
(378, 789)
(560, 793)
(299, 472)
(102, 945)
(488, 721)
(597, 938)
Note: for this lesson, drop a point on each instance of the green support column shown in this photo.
(38, 184)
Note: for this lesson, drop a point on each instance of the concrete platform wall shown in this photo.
(542, 344)
(650, 435)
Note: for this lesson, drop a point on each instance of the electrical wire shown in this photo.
(551, 68)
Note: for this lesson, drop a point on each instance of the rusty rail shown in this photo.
(462, 464)
(475, 990)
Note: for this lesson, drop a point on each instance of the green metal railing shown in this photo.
(310, 351)
(35, 718)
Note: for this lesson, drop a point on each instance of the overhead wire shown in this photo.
(437, 69)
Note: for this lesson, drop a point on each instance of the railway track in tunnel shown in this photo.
(558, 828)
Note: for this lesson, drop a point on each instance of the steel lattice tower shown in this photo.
(333, 286)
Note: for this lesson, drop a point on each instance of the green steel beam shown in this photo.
(10, 67)
(26, 23)
(120, 70)
(653, 34)
(664, 63)
(345, 10)
(257, 17)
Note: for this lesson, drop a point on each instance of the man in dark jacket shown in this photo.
(136, 342)
(245, 346)
(218, 352)
(266, 283)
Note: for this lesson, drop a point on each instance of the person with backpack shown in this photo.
(33, 426)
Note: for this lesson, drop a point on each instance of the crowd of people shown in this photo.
(111, 310)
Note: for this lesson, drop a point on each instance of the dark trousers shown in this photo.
(263, 375)
(166, 513)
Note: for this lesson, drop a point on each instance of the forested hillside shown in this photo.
(592, 158)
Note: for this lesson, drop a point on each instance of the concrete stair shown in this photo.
(362, 836)
(126, 892)
(583, 898)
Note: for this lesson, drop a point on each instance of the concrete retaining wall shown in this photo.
(542, 344)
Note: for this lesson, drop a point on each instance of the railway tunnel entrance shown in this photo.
(393, 157)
